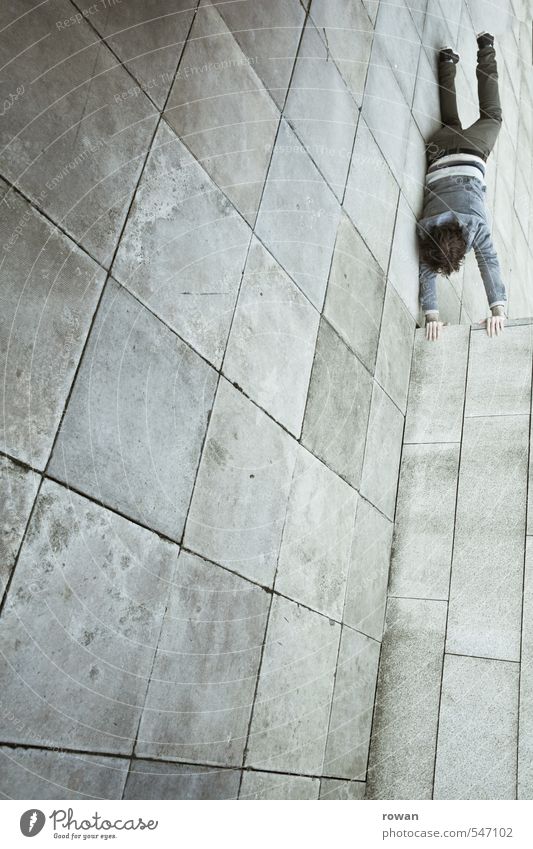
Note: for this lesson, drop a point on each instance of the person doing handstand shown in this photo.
(454, 219)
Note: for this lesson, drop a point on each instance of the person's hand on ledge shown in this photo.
(494, 324)
(433, 330)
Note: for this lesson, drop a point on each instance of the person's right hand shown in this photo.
(433, 330)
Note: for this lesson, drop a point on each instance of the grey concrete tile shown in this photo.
(272, 343)
(18, 488)
(398, 37)
(417, 8)
(371, 7)
(321, 110)
(133, 431)
(202, 685)
(499, 373)
(348, 32)
(338, 405)
(440, 27)
(449, 303)
(486, 587)
(404, 731)
(382, 452)
(184, 248)
(356, 289)
(353, 702)
(395, 348)
(268, 34)
(525, 729)
(78, 672)
(299, 216)
(272, 785)
(44, 774)
(424, 524)
(403, 268)
(222, 112)
(385, 110)
(240, 498)
(315, 551)
(476, 751)
(155, 780)
(331, 789)
(366, 592)
(372, 195)
(49, 294)
(426, 108)
(437, 387)
(76, 141)
(148, 39)
(290, 718)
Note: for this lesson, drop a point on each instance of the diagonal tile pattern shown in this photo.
(209, 300)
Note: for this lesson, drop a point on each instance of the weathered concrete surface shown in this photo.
(179, 398)
(80, 625)
(18, 488)
(143, 466)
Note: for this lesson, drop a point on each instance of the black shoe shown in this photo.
(485, 39)
(447, 54)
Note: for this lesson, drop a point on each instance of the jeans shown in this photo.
(481, 137)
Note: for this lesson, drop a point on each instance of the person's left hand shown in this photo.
(494, 324)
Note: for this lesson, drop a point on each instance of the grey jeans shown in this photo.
(481, 137)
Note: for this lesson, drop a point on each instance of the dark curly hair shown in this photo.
(443, 249)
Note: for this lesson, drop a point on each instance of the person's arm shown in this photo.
(428, 300)
(489, 268)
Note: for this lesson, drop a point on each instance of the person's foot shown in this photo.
(448, 54)
(484, 39)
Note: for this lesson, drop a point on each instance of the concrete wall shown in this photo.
(209, 306)
(453, 713)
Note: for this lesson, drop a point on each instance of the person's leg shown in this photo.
(448, 96)
(450, 132)
(483, 133)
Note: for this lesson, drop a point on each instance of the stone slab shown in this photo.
(272, 785)
(321, 110)
(372, 193)
(437, 387)
(336, 417)
(382, 452)
(272, 343)
(202, 684)
(18, 488)
(476, 752)
(160, 780)
(424, 525)
(314, 556)
(331, 789)
(135, 424)
(393, 365)
(488, 560)
(299, 216)
(356, 289)
(499, 373)
(353, 702)
(75, 671)
(184, 247)
(46, 774)
(240, 497)
(292, 705)
(77, 137)
(221, 110)
(404, 730)
(366, 592)
(49, 295)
